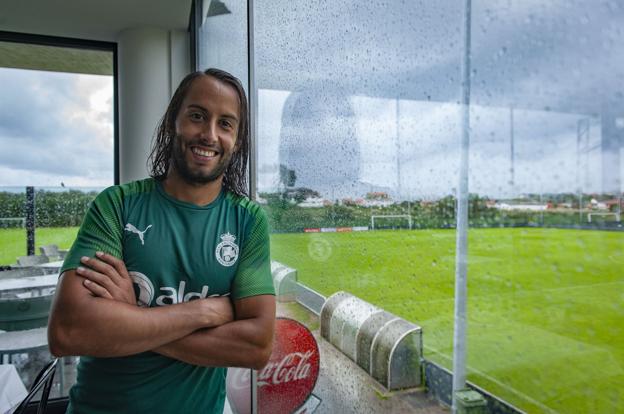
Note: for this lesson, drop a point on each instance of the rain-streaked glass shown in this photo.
(358, 120)
(546, 248)
(222, 38)
(358, 131)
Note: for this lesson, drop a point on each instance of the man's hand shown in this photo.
(107, 277)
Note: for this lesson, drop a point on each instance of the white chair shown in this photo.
(52, 252)
(24, 261)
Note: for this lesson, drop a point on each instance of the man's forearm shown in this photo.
(245, 342)
(241, 343)
(88, 325)
(117, 329)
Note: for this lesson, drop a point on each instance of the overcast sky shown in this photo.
(55, 127)
(371, 89)
(363, 96)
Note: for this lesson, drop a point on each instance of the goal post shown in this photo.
(605, 214)
(393, 218)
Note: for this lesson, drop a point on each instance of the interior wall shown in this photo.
(151, 64)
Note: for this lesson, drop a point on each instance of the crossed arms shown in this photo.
(95, 313)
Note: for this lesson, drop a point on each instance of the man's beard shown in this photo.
(197, 177)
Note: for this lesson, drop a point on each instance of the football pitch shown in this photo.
(13, 241)
(545, 306)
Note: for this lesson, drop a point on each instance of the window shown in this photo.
(57, 140)
(359, 122)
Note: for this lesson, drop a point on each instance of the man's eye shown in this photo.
(226, 124)
(195, 116)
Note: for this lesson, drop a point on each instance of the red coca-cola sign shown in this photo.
(287, 380)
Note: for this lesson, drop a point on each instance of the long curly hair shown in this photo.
(235, 175)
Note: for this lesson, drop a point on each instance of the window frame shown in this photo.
(68, 42)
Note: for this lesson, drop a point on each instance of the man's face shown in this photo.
(206, 130)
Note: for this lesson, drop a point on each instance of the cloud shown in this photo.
(558, 55)
(556, 63)
(55, 127)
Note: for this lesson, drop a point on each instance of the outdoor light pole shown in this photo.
(253, 103)
(461, 250)
(512, 151)
(398, 148)
(253, 156)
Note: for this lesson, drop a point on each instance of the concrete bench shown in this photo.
(284, 281)
(387, 347)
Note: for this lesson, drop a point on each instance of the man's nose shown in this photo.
(209, 132)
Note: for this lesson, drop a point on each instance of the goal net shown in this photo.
(391, 221)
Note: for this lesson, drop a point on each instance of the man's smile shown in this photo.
(204, 153)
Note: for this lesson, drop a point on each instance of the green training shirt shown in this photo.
(175, 252)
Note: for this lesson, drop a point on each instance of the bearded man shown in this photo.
(168, 281)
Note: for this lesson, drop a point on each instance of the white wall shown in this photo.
(151, 62)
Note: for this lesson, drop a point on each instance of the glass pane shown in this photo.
(223, 38)
(223, 44)
(56, 137)
(546, 246)
(358, 128)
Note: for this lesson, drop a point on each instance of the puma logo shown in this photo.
(129, 227)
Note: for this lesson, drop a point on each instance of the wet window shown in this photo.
(546, 181)
(222, 38)
(358, 166)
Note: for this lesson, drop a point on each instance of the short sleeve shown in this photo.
(253, 276)
(101, 229)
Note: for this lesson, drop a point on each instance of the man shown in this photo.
(196, 252)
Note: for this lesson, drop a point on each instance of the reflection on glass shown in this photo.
(358, 127)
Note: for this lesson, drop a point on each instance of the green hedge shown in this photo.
(52, 209)
(67, 208)
(285, 217)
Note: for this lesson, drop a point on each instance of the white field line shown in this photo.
(526, 292)
(495, 381)
(500, 384)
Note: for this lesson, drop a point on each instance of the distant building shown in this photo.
(521, 207)
(377, 199)
(612, 205)
(598, 205)
(313, 202)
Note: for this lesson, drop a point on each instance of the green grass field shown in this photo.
(13, 241)
(546, 306)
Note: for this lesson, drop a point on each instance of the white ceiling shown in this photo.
(91, 19)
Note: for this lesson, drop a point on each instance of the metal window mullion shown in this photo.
(116, 143)
(253, 103)
(253, 128)
(461, 250)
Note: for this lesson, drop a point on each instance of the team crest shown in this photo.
(227, 251)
